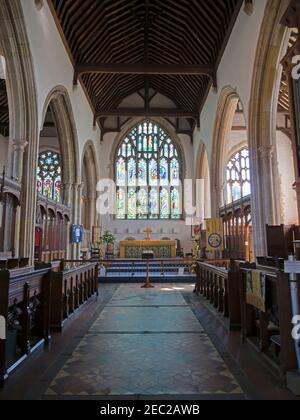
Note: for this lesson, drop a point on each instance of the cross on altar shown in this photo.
(148, 232)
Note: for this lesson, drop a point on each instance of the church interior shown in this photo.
(149, 200)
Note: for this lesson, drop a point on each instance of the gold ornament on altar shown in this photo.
(148, 233)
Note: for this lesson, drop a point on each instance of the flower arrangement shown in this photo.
(109, 237)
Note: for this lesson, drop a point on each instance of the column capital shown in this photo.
(20, 145)
(266, 151)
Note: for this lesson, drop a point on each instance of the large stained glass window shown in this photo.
(148, 175)
(49, 176)
(238, 176)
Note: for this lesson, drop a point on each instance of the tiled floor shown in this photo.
(145, 343)
(132, 343)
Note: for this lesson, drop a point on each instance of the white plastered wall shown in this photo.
(286, 171)
(52, 68)
(235, 70)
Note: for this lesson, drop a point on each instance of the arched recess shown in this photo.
(59, 106)
(223, 124)
(23, 120)
(62, 112)
(89, 179)
(149, 152)
(203, 173)
(230, 171)
(262, 122)
(165, 125)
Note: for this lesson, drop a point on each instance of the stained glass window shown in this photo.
(238, 176)
(148, 166)
(49, 176)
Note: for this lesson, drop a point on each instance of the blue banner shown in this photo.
(77, 234)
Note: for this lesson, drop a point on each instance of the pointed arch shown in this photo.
(165, 125)
(59, 101)
(226, 109)
(262, 126)
(89, 178)
(23, 118)
(148, 173)
(203, 173)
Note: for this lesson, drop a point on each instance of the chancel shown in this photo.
(149, 200)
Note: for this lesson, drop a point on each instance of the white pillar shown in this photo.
(265, 196)
(18, 158)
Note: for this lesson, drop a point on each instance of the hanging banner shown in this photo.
(214, 235)
(256, 289)
(76, 234)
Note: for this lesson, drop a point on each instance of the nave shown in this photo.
(157, 141)
(133, 343)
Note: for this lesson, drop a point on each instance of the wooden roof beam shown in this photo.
(139, 112)
(147, 69)
(4, 110)
(291, 18)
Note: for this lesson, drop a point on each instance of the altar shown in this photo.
(135, 248)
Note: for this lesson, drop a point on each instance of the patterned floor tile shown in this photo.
(116, 357)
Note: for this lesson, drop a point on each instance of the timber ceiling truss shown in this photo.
(284, 96)
(122, 47)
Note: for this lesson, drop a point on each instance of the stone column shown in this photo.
(76, 191)
(265, 195)
(67, 193)
(19, 147)
(92, 214)
(297, 190)
(217, 200)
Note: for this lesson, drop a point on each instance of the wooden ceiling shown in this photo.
(284, 98)
(119, 47)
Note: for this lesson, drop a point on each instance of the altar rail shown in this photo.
(25, 305)
(218, 282)
(163, 263)
(74, 283)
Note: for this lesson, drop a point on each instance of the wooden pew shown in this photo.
(25, 305)
(218, 282)
(72, 285)
(271, 327)
(14, 263)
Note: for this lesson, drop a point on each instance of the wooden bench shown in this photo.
(72, 285)
(218, 282)
(273, 325)
(25, 305)
(13, 263)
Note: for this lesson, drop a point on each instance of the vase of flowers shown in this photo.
(110, 239)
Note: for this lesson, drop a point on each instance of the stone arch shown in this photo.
(90, 168)
(165, 125)
(23, 141)
(203, 173)
(262, 112)
(226, 109)
(59, 101)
